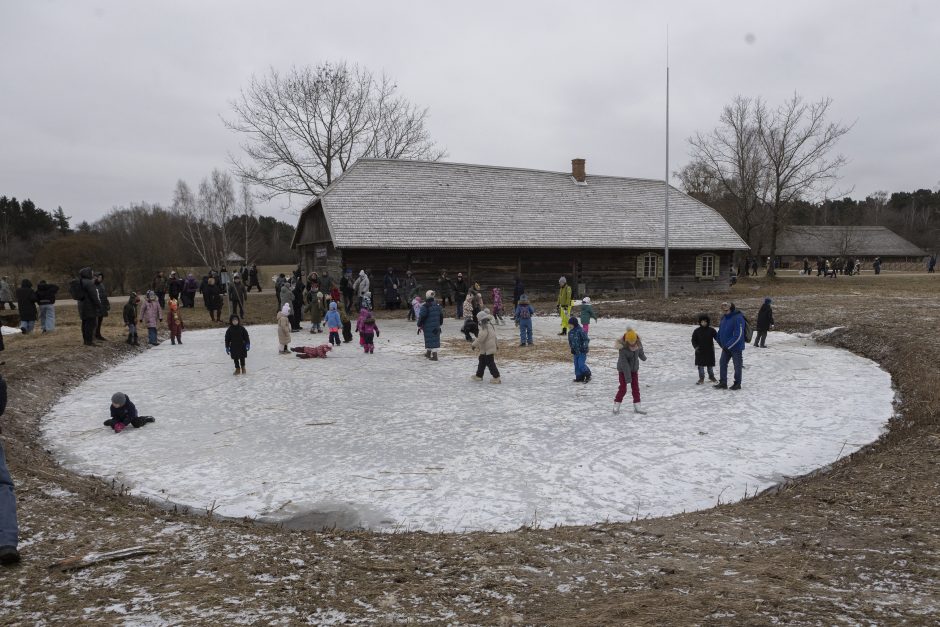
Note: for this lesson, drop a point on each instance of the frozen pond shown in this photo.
(394, 441)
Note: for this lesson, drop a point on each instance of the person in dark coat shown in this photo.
(578, 342)
(346, 289)
(430, 321)
(460, 295)
(876, 265)
(124, 414)
(212, 298)
(88, 305)
(253, 278)
(517, 291)
(45, 295)
(445, 289)
(9, 529)
(703, 341)
(236, 297)
(174, 286)
(26, 301)
(765, 322)
(104, 305)
(237, 343)
(159, 286)
(190, 287)
(298, 306)
(392, 293)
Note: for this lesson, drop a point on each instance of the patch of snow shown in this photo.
(56, 492)
(393, 441)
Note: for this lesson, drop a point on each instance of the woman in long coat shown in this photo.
(392, 294)
(26, 300)
(430, 321)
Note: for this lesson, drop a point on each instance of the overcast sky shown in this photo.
(107, 103)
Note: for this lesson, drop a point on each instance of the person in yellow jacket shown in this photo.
(564, 304)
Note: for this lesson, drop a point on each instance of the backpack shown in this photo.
(525, 313)
(748, 330)
(75, 289)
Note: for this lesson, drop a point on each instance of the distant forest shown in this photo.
(130, 243)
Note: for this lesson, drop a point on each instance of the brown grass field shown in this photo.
(855, 543)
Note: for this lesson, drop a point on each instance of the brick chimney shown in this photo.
(577, 170)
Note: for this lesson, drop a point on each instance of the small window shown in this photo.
(706, 266)
(649, 266)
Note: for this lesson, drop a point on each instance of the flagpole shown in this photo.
(666, 177)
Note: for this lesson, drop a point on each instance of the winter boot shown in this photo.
(434, 356)
(700, 381)
(476, 378)
(109, 422)
(496, 380)
(136, 340)
(9, 555)
(243, 370)
(712, 379)
(720, 386)
(130, 339)
(179, 340)
(736, 386)
(616, 408)
(237, 371)
(172, 340)
(427, 354)
(637, 409)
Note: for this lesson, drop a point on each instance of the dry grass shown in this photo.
(857, 544)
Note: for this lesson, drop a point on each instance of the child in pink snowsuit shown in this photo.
(497, 306)
(368, 330)
(363, 314)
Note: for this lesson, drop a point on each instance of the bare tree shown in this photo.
(248, 219)
(207, 218)
(305, 127)
(796, 142)
(732, 158)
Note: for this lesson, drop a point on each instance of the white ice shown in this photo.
(394, 441)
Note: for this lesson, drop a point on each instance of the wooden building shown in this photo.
(604, 234)
(858, 242)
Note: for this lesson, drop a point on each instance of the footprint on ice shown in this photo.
(394, 441)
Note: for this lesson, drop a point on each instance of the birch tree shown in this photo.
(208, 216)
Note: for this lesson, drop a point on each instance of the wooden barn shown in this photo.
(859, 242)
(603, 233)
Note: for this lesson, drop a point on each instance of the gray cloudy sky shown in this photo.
(106, 103)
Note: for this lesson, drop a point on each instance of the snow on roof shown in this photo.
(869, 241)
(383, 203)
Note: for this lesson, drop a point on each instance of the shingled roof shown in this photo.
(824, 241)
(379, 203)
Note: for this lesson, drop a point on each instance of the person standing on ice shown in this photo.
(732, 340)
(130, 318)
(174, 321)
(703, 341)
(564, 304)
(9, 529)
(578, 342)
(587, 312)
(368, 331)
(283, 328)
(124, 414)
(523, 316)
(497, 306)
(212, 298)
(237, 343)
(765, 322)
(630, 354)
(430, 320)
(361, 287)
(333, 322)
(486, 344)
(151, 315)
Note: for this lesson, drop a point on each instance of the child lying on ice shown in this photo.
(309, 352)
(124, 413)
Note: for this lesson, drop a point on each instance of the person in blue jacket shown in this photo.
(578, 343)
(732, 340)
(429, 322)
(334, 323)
(523, 316)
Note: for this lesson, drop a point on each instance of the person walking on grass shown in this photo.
(159, 286)
(430, 320)
(703, 341)
(88, 305)
(486, 344)
(104, 305)
(212, 298)
(630, 354)
(253, 277)
(523, 316)
(587, 312)
(45, 296)
(578, 342)
(283, 329)
(765, 322)
(564, 304)
(237, 343)
(130, 314)
(174, 321)
(236, 297)
(732, 340)
(26, 300)
(151, 315)
(9, 529)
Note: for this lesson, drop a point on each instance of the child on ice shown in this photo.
(174, 321)
(347, 325)
(124, 413)
(497, 306)
(578, 342)
(130, 318)
(703, 341)
(368, 331)
(363, 314)
(415, 310)
(587, 312)
(523, 315)
(333, 323)
(486, 344)
(237, 343)
(628, 363)
(151, 315)
(283, 328)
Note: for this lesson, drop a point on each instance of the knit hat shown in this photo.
(332, 306)
(767, 301)
(524, 299)
(285, 309)
(586, 300)
(118, 398)
(705, 317)
(429, 294)
(630, 336)
(573, 321)
(562, 281)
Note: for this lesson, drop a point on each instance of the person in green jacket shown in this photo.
(587, 312)
(564, 304)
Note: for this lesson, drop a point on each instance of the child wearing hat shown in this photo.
(174, 321)
(151, 315)
(130, 318)
(703, 341)
(628, 363)
(587, 312)
(283, 328)
(765, 322)
(578, 343)
(523, 315)
(237, 342)
(333, 322)
(497, 306)
(124, 413)
(368, 331)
